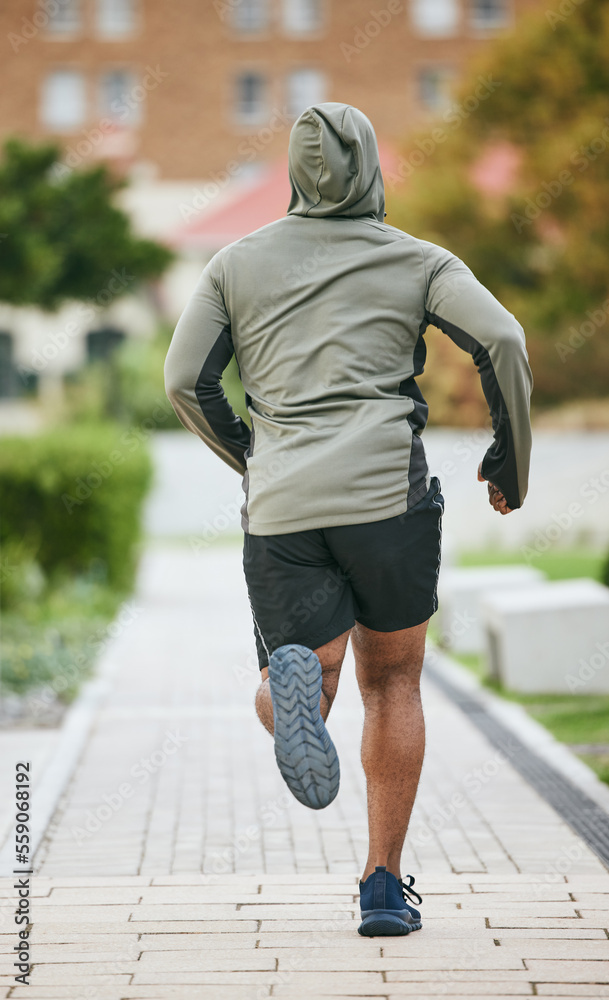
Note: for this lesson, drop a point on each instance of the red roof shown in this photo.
(255, 203)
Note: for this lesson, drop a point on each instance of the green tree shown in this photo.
(61, 237)
(541, 244)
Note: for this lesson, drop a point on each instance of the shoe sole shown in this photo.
(384, 923)
(305, 754)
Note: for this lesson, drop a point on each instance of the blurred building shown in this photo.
(191, 87)
(195, 101)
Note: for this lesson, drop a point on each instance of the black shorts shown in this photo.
(308, 587)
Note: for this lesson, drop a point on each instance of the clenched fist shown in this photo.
(495, 496)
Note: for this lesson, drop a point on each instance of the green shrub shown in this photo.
(605, 572)
(73, 498)
(21, 578)
(50, 645)
(127, 387)
(140, 374)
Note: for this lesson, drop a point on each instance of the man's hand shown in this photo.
(495, 496)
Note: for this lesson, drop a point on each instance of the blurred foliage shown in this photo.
(50, 643)
(451, 385)
(235, 393)
(71, 503)
(69, 539)
(542, 246)
(557, 563)
(62, 236)
(72, 498)
(598, 763)
(127, 387)
(572, 719)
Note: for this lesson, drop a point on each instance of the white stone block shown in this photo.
(552, 638)
(460, 590)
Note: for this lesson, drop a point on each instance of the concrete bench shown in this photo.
(552, 638)
(459, 592)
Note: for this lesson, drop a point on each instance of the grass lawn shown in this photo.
(559, 564)
(572, 719)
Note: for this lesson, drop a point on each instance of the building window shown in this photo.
(251, 98)
(64, 18)
(435, 18)
(250, 16)
(302, 17)
(101, 344)
(489, 15)
(115, 18)
(119, 96)
(435, 85)
(64, 102)
(305, 87)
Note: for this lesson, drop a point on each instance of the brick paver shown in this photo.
(257, 938)
(178, 865)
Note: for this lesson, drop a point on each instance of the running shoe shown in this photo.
(304, 751)
(384, 908)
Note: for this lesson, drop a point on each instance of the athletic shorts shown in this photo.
(308, 587)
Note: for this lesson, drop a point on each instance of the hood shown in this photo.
(334, 164)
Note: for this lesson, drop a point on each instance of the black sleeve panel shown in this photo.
(230, 429)
(499, 463)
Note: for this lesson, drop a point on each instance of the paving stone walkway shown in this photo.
(177, 865)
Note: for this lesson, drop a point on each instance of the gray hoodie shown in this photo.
(326, 312)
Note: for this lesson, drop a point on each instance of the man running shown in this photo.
(326, 312)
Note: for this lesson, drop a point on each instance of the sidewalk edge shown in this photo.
(74, 732)
(531, 732)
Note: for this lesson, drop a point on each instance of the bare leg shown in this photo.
(388, 668)
(331, 657)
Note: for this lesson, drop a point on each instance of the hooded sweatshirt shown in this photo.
(326, 312)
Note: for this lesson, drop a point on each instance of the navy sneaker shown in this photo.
(384, 907)
(304, 752)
